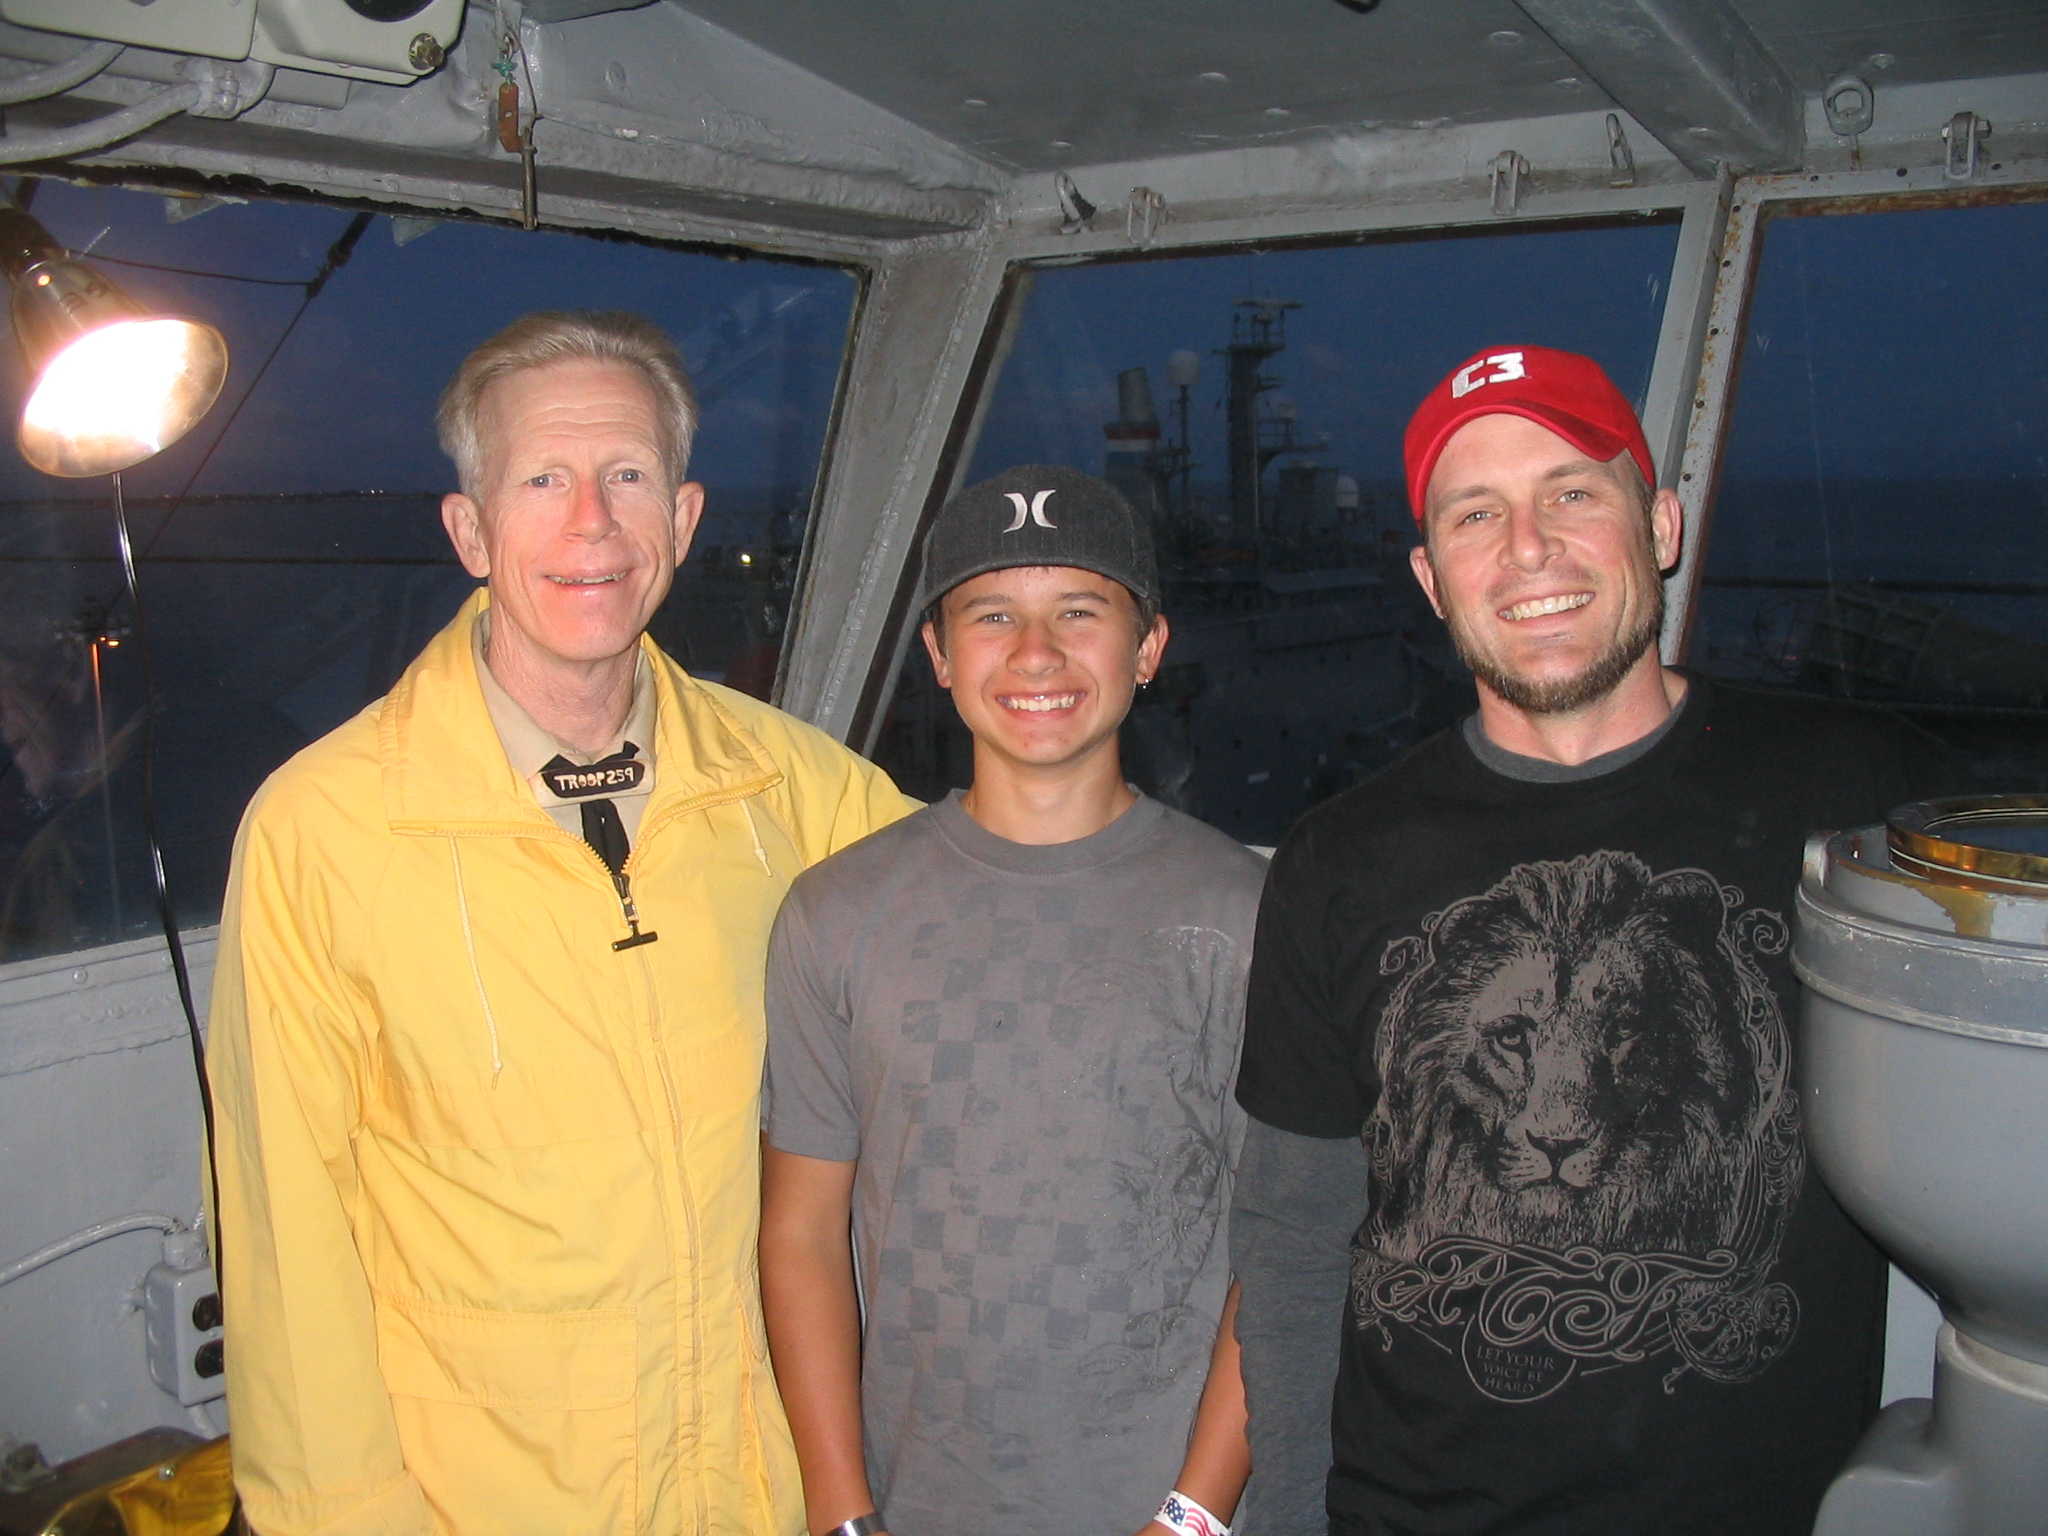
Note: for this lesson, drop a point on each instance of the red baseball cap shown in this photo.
(1563, 391)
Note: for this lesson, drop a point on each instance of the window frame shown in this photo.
(1701, 209)
(1755, 202)
(106, 962)
(941, 311)
(1685, 413)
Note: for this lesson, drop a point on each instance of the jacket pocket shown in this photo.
(774, 1485)
(516, 1421)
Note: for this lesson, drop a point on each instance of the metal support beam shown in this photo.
(921, 324)
(1705, 422)
(1669, 404)
(1691, 72)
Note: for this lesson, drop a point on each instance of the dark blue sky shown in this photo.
(1892, 415)
(1904, 346)
(1379, 325)
(1898, 346)
(349, 403)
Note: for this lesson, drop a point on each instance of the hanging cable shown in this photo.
(337, 257)
(24, 193)
(50, 79)
(98, 1232)
(166, 911)
(62, 143)
(226, 277)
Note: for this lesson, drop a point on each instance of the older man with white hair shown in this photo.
(487, 1031)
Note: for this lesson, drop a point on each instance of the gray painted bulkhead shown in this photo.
(815, 130)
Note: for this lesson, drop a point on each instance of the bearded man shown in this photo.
(487, 1032)
(1525, 1234)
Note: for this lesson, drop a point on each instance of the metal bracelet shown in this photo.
(869, 1524)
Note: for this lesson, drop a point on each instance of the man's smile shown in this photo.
(1539, 607)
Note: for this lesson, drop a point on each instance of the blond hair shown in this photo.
(564, 336)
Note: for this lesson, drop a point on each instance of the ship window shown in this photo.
(1303, 657)
(293, 578)
(1880, 530)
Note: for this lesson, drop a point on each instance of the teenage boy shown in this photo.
(1002, 1038)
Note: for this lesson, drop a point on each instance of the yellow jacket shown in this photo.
(490, 1188)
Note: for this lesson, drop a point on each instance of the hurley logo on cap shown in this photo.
(617, 774)
(1033, 509)
(1507, 365)
(1013, 519)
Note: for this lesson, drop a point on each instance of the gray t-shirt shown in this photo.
(1031, 1051)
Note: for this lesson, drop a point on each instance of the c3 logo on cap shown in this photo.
(1509, 364)
(1033, 509)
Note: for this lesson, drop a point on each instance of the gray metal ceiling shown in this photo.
(1926, 39)
(1032, 84)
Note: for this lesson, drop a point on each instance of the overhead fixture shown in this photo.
(1850, 105)
(110, 384)
(1075, 210)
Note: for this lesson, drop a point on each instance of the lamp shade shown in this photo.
(110, 383)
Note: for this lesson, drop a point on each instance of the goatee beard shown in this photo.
(1567, 695)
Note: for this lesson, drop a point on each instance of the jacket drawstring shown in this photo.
(755, 831)
(475, 971)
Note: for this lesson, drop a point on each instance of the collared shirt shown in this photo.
(530, 748)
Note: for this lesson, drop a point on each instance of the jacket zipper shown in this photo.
(623, 885)
(632, 914)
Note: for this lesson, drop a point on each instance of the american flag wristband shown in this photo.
(1184, 1517)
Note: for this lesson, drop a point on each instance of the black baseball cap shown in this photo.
(1039, 514)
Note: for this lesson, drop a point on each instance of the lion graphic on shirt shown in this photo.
(1585, 1149)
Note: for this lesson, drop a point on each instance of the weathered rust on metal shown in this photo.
(1720, 355)
(1823, 204)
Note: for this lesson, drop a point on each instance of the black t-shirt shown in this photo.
(1601, 1290)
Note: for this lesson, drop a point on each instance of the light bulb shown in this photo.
(112, 383)
(121, 393)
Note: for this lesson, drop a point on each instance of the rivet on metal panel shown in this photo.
(1964, 132)
(1509, 171)
(1143, 215)
(1619, 155)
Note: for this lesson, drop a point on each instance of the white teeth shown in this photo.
(1042, 703)
(1544, 605)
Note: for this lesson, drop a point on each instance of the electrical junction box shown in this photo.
(393, 42)
(219, 29)
(181, 1320)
